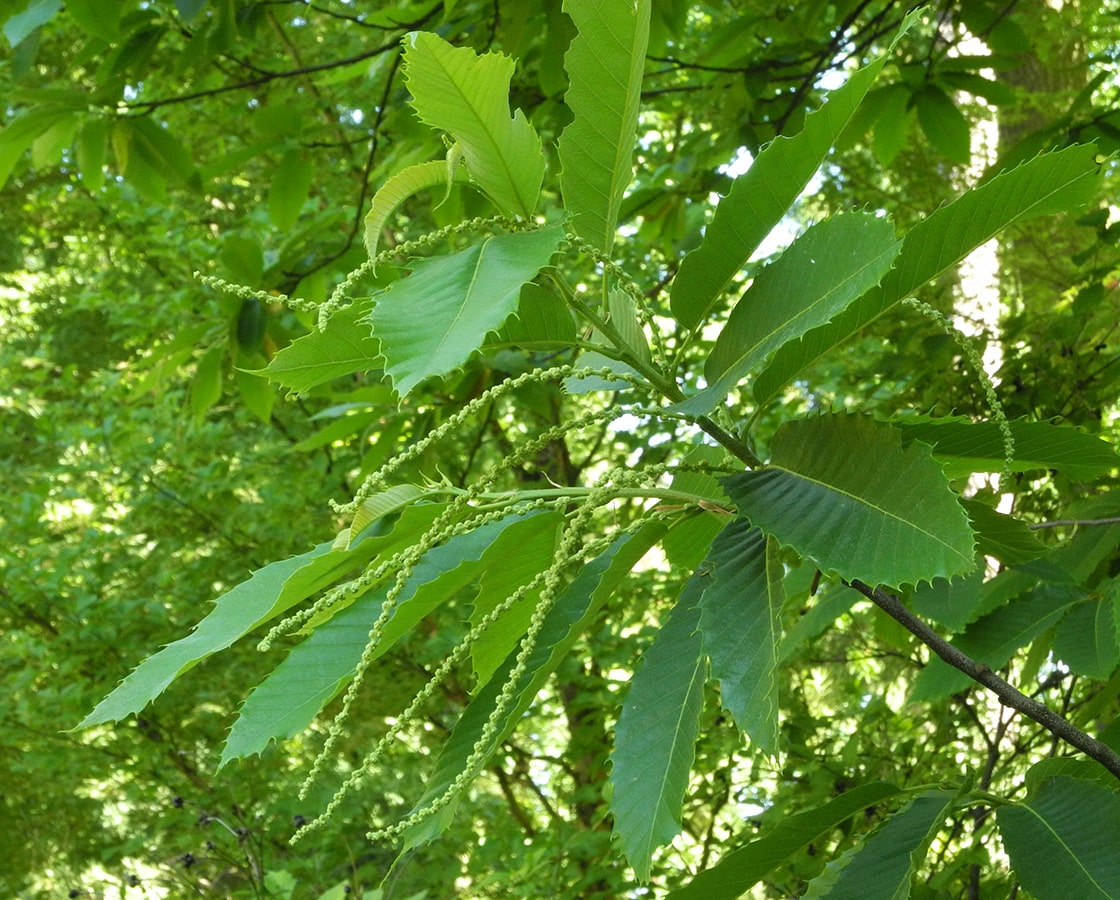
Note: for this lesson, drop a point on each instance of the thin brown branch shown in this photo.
(1007, 694)
(1057, 523)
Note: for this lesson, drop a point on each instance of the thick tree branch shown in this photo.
(1008, 695)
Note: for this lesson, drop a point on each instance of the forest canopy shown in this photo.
(599, 448)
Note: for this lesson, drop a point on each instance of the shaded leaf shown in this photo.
(655, 738)
(744, 867)
(841, 490)
(883, 866)
(760, 197)
(431, 322)
(574, 610)
(1062, 840)
(995, 638)
(288, 191)
(1050, 183)
(967, 447)
(1086, 638)
(952, 604)
(825, 269)
(604, 63)
(740, 625)
(467, 95)
(1006, 538)
(944, 125)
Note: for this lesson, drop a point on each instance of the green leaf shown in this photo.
(431, 322)
(399, 187)
(950, 603)
(760, 197)
(235, 613)
(883, 866)
(1086, 638)
(655, 738)
(995, 638)
(825, 269)
(92, 146)
(99, 18)
(1062, 840)
(966, 447)
(893, 122)
(574, 610)
(268, 593)
(19, 134)
(604, 62)
(285, 703)
(206, 385)
(524, 551)
(740, 625)
(154, 147)
(1050, 183)
(342, 348)
(36, 15)
(1006, 538)
(466, 95)
(944, 125)
(841, 490)
(542, 321)
(741, 869)
(288, 191)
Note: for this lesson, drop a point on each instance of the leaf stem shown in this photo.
(1007, 694)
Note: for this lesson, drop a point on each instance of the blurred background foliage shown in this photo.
(147, 468)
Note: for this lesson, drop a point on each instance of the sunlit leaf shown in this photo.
(343, 347)
(760, 197)
(467, 96)
(604, 63)
(398, 188)
(431, 322)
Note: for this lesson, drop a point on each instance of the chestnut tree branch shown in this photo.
(1008, 695)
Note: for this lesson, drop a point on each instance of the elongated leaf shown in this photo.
(1006, 538)
(344, 347)
(1063, 840)
(542, 321)
(399, 187)
(1086, 639)
(1051, 183)
(572, 612)
(268, 593)
(967, 447)
(841, 490)
(825, 269)
(760, 197)
(604, 64)
(944, 125)
(19, 134)
(655, 738)
(740, 869)
(525, 552)
(235, 613)
(884, 865)
(288, 190)
(740, 625)
(467, 96)
(431, 322)
(995, 638)
(315, 671)
(952, 604)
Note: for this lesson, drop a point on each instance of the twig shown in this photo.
(1008, 695)
(1114, 520)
